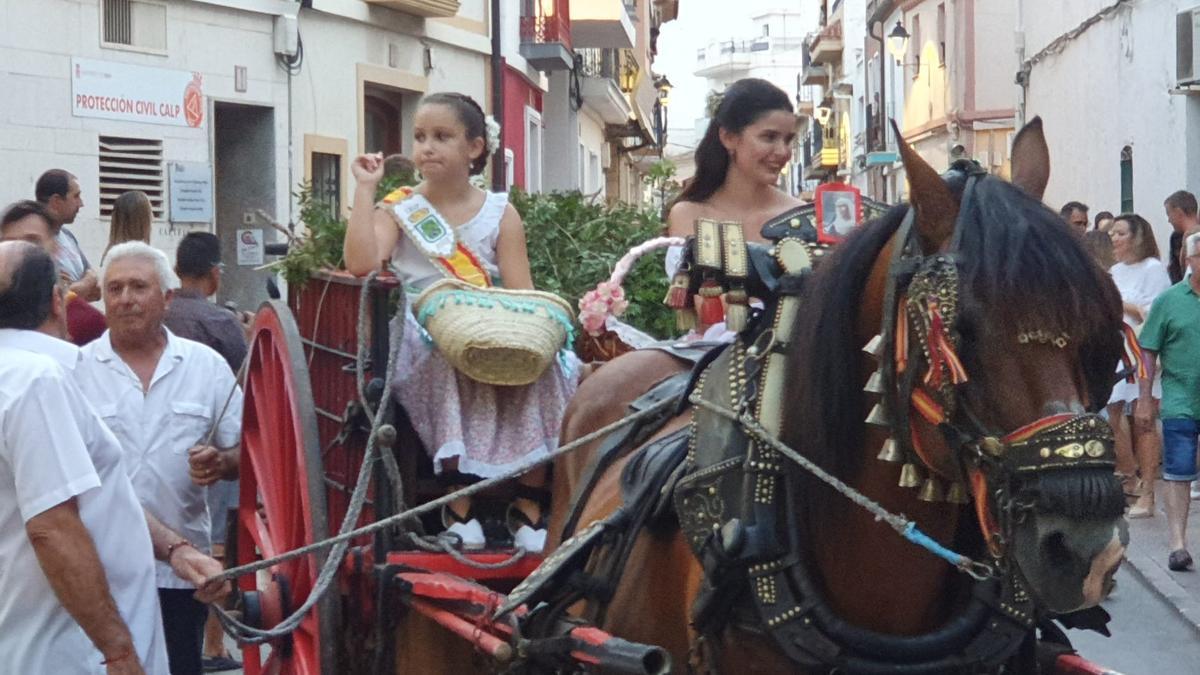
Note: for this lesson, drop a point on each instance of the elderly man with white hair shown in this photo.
(175, 406)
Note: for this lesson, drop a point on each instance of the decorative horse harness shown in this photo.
(733, 495)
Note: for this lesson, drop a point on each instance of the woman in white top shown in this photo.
(738, 162)
(465, 425)
(1140, 277)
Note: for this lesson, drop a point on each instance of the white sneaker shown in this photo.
(469, 533)
(1195, 490)
(533, 541)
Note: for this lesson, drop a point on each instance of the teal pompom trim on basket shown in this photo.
(526, 306)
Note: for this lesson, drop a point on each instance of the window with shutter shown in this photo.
(131, 164)
(137, 25)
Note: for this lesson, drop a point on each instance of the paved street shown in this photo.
(1156, 612)
(1148, 635)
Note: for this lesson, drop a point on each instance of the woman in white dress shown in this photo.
(1140, 277)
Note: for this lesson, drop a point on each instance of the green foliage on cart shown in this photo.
(320, 246)
(574, 243)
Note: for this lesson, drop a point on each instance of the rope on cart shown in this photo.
(446, 543)
(338, 543)
(247, 634)
(438, 503)
(395, 337)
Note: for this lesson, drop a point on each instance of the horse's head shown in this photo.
(1000, 337)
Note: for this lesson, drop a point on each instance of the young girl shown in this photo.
(466, 426)
(746, 146)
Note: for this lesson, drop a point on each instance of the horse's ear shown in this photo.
(936, 206)
(1031, 159)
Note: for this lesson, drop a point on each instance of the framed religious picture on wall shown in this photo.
(839, 211)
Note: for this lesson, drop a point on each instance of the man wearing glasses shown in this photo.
(1170, 341)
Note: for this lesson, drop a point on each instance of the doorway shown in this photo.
(244, 166)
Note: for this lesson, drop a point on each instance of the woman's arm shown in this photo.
(1134, 311)
(371, 234)
(511, 255)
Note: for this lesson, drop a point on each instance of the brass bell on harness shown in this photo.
(890, 452)
(957, 494)
(910, 476)
(878, 416)
(874, 383)
(931, 490)
(874, 347)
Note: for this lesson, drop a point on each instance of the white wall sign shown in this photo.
(191, 190)
(119, 91)
(250, 247)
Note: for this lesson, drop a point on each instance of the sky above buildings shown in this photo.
(700, 22)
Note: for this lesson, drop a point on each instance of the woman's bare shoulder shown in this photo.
(786, 201)
(681, 220)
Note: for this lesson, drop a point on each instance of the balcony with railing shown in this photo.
(727, 57)
(607, 77)
(426, 8)
(546, 36)
(826, 46)
(603, 23)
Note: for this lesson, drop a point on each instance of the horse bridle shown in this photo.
(921, 373)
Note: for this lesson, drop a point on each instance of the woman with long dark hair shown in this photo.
(738, 163)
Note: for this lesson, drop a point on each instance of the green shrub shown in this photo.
(573, 245)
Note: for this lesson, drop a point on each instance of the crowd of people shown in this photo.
(1156, 416)
(119, 437)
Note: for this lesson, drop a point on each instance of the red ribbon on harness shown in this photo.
(941, 351)
(1132, 356)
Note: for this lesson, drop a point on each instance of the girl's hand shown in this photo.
(368, 169)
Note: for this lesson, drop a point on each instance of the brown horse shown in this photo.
(1020, 270)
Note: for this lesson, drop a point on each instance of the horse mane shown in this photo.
(1018, 261)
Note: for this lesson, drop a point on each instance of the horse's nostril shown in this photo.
(1055, 550)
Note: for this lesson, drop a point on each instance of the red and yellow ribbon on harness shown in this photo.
(436, 240)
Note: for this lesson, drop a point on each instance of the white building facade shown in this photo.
(220, 109)
(774, 52)
(1121, 113)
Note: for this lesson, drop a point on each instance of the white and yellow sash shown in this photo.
(434, 238)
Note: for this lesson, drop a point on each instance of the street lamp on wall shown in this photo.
(898, 40)
(663, 85)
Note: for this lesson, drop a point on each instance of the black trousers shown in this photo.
(183, 623)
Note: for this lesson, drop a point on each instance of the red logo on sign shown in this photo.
(193, 102)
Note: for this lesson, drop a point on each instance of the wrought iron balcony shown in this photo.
(546, 39)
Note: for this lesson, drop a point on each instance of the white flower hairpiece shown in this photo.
(492, 133)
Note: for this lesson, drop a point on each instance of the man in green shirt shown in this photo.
(1171, 336)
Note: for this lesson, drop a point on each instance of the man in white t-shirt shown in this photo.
(164, 397)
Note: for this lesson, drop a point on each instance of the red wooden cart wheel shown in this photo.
(282, 502)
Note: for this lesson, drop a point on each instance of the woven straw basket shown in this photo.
(494, 335)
